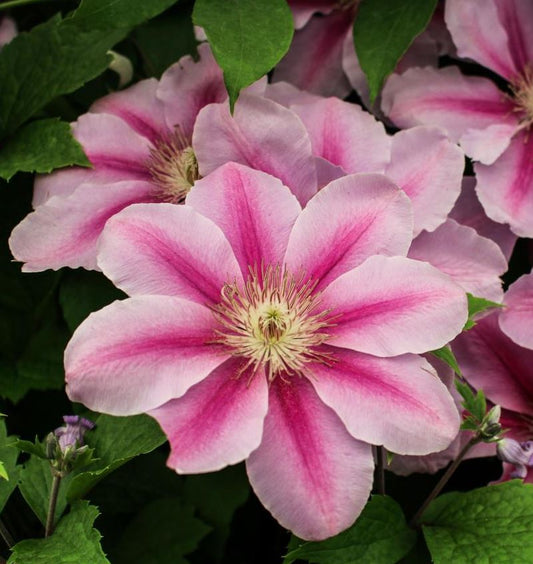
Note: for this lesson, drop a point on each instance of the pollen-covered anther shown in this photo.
(274, 321)
(173, 167)
(522, 89)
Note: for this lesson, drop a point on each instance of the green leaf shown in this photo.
(477, 305)
(380, 535)
(446, 355)
(35, 448)
(3, 472)
(383, 31)
(491, 524)
(474, 404)
(162, 533)
(41, 146)
(74, 541)
(115, 441)
(248, 37)
(8, 456)
(59, 56)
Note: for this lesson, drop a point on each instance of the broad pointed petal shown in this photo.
(262, 135)
(446, 98)
(65, 231)
(474, 262)
(135, 355)
(428, 167)
(254, 210)
(516, 318)
(393, 305)
(219, 421)
(309, 472)
(421, 414)
(167, 250)
(372, 216)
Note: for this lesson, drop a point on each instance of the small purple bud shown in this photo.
(71, 435)
(520, 455)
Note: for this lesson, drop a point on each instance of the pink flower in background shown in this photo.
(493, 127)
(8, 30)
(516, 320)
(257, 330)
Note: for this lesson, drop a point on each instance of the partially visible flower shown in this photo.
(8, 30)
(520, 455)
(516, 320)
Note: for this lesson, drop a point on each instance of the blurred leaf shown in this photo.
(446, 355)
(41, 146)
(383, 31)
(380, 535)
(491, 524)
(248, 38)
(162, 533)
(8, 456)
(74, 541)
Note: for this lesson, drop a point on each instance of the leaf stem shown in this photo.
(56, 482)
(6, 535)
(15, 3)
(442, 482)
(380, 471)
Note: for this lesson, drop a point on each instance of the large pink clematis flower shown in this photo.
(257, 330)
(493, 127)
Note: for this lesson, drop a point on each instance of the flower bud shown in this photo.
(520, 455)
(70, 436)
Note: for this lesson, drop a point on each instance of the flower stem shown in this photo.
(15, 3)
(56, 482)
(380, 468)
(442, 482)
(6, 535)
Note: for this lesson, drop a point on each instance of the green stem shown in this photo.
(442, 482)
(56, 482)
(380, 469)
(6, 535)
(15, 3)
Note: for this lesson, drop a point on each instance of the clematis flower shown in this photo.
(491, 361)
(516, 319)
(492, 126)
(259, 331)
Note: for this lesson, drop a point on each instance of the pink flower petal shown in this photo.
(314, 60)
(302, 10)
(468, 211)
(505, 189)
(446, 98)
(187, 86)
(486, 145)
(167, 250)
(345, 135)
(219, 421)
(138, 107)
(421, 414)
(262, 135)
(65, 231)
(478, 32)
(371, 216)
(286, 94)
(393, 305)
(8, 30)
(429, 168)
(135, 355)
(492, 362)
(309, 472)
(474, 262)
(516, 318)
(254, 210)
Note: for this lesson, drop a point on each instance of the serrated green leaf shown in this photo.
(115, 441)
(8, 456)
(35, 448)
(479, 406)
(248, 37)
(446, 355)
(383, 31)
(74, 541)
(3, 472)
(491, 524)
(162, 533)
(477, 305)
(380, 535)
(41, 146)
(59, 56)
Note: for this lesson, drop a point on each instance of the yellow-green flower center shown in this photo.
(275, 321)
(522, 89)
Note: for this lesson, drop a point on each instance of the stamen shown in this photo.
(522, 89)
(274, 321)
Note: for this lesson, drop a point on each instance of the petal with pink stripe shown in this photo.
(360, 388)
(309, 472)
(254, 210)
(137, 354)
(393, 305)
(219, 421)
(516, 319)
(167, 250)
(349, 220)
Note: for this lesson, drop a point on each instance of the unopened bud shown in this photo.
(490, 428)
(520, 455)
(70, 436)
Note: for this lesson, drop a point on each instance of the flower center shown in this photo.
(173, 167)
(274, 321)
(522, 90)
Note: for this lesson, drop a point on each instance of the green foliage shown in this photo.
(477, 305)
(491, 524)
(383, 31)
(476, 404)
(380, 535)
(74, 541)
(41, 146)
(8, 456)
(162, 533)
(60, 55)
(446, 355)
(248, 37)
